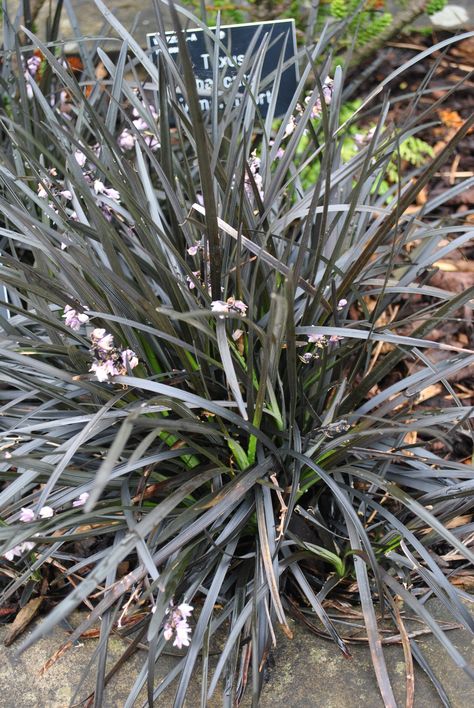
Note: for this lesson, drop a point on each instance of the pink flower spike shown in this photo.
(185, 609)
(46, 512)
(81, 500)
(26, 515)
(182, 634)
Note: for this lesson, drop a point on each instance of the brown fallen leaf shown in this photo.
(463, 579)
(454, 281)
(464, 50)
(22, 620)
(429, 392)
(450, 119)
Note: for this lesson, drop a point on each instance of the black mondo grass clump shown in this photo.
(215, 337)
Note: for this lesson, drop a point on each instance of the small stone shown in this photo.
(451, 16)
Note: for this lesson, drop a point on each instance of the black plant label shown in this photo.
(240, 45)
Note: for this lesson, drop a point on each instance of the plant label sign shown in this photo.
(235, 43)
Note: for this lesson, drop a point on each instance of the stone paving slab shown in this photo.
(140, 16)
(312, 673)
(24, 685)
(307, 672)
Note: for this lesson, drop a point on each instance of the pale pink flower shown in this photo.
(363, 139)
(103, 369)
(151, 141)
(126, 140)
(100, 188)
(335, 338)
(316, 338)
(110, 360)
(15, 551)
(254, 167)
(258, 179)
(140, 124)
(81, 500)
(42, 193)
(185, 609)
(26, 515)
(290, 127)
(190, 281)
(80, 158)
(183, 630)
(177, 624)
(306, 358)
(192, 250)
(19, 550)
(232, 305)
(74, 319)
(219, 306)
(32, 65)
(328, 88)
(101, 339)
(237, 334)
(112, 194)
(341, 304)
(129, 358)
(151, 108)
(238, 305)
(46, 512)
